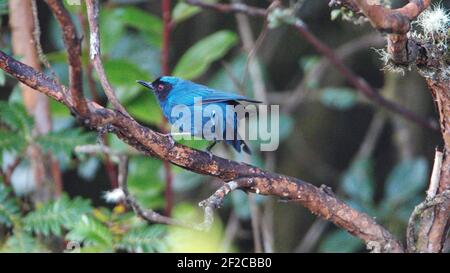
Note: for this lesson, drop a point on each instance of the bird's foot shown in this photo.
(208, 149)
(210, 155)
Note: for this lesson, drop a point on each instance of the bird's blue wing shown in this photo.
(187, 95)
(218, 96)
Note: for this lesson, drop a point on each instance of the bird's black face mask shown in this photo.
(158, 86)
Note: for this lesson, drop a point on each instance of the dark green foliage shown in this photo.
(9, 209)
(403, 186)
(92, 233)
(15, 117)
(52, 217)
(144, 239)
(22, 242)
(64, 141)
(88, 229)
(10, 141)
(200, 56)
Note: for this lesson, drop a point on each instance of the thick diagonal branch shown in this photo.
(151, 143)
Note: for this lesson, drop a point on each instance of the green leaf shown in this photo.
(9, 209)
(92, 233)
(183, 11)
(199, 144)
(64, 141)
(340, 241)
(111, 30)
(406, 179)
(135, 48)
(123, 75)
(338, 98)
(16, 117)
(58, 109)
(200, 56)
(53, 216)
(145, 108)
(11, 141)
(150, 25)
(145, 181)
(146, 239)
(358, 181)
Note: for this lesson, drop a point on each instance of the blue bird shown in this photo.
(173, 91)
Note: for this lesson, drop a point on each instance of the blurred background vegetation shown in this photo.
(374, 160)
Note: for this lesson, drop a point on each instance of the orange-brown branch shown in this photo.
(318, 200)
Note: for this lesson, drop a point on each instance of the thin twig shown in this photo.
(165, 54)
(146, 214)
(37, 40)
(89, 68)
(435, 175)
(95, 55)
(6, 175)
(229, 8)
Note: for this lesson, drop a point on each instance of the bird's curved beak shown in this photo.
(146, 84)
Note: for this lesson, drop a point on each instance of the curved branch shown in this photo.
(396, 22)
(318, 200)
(392, 20)
(93, 14)
(73, 46)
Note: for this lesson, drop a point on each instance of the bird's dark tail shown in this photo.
(239, 145)
(246, 148)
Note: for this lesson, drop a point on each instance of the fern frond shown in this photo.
(11, 141)
(22, 242)
(64, 141)
(9, 208)
(16, 117)
(144, 239)
(53, 216)
(92, 233)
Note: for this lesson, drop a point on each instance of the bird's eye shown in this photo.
(160, 87)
